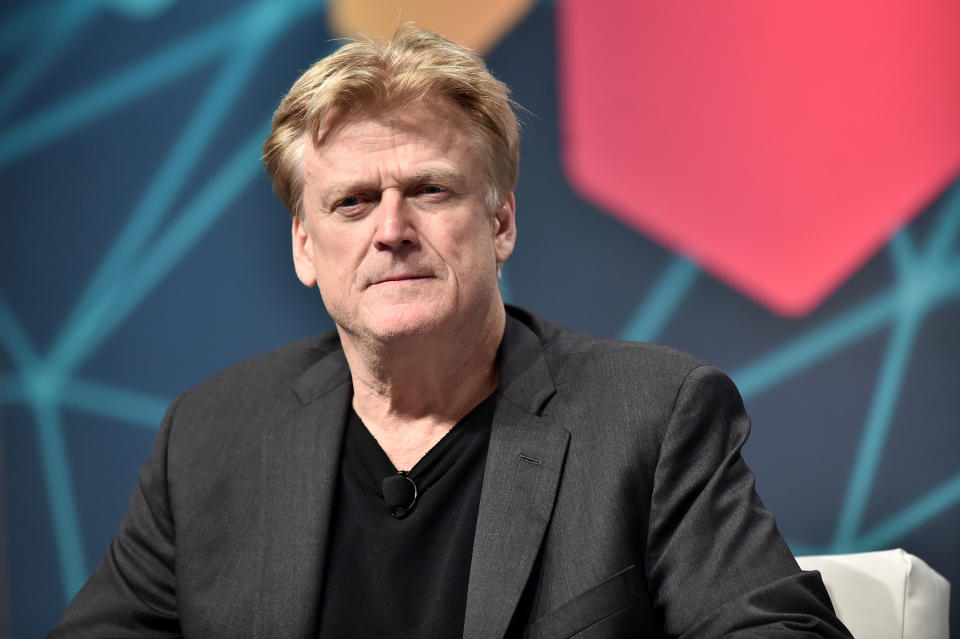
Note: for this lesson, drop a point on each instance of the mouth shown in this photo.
(401, 278)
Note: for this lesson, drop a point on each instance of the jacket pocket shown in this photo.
(607, 599)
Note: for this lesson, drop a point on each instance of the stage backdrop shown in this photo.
(766, 185)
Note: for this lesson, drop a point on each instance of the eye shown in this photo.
(347, 202)
(352, 206)
(432, 192)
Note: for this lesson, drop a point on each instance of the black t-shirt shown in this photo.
(404, 577)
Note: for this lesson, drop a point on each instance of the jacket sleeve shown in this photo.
(131, 593)
(716, 563)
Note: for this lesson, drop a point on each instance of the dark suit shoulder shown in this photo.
(235, 407)
(598, 364)
(265, 374)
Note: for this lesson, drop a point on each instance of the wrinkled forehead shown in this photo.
(426, 116)
(409, 116)
(438, 122)
(424, 143)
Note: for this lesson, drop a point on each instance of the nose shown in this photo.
(395, 228)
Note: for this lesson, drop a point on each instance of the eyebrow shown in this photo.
(451, 177)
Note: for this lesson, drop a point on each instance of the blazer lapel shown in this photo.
(524, 463)
(301, 459)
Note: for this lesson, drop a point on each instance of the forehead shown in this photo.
(434, 135)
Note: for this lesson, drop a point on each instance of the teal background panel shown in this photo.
(141, 251)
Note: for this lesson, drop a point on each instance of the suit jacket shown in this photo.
(614, 503)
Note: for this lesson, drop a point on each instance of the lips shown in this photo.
(401, 277)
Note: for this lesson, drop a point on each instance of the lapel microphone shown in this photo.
(400, 493)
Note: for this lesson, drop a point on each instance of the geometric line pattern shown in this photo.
(130, 270)
(156, 237)
(653, 313)
(925, 279)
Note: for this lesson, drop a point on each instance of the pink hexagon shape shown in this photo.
(778, 144)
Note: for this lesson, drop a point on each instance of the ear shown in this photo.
(505, 228)
(303, 253)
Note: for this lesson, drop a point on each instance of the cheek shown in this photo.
(476, 239)
(337, 250)
(332, 277)
(473, 257)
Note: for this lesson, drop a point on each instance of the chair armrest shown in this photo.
(887, 594)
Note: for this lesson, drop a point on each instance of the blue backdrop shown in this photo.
(141, 251)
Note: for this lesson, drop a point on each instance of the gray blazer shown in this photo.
(615, 503)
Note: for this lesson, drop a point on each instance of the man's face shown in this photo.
(396, 230)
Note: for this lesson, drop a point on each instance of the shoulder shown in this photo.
(271, 372)
(253, 393)
(576, 358)
(627, 394)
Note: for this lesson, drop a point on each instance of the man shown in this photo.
(440, 465)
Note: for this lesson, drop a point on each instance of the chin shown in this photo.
(405, 320)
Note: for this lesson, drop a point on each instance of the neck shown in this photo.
(412, 391)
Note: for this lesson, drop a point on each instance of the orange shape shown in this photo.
(476, 25)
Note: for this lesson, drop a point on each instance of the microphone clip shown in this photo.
(400, 493)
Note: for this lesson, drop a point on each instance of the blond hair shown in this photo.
(373, 77)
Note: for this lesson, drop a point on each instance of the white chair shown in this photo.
(889, 594)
